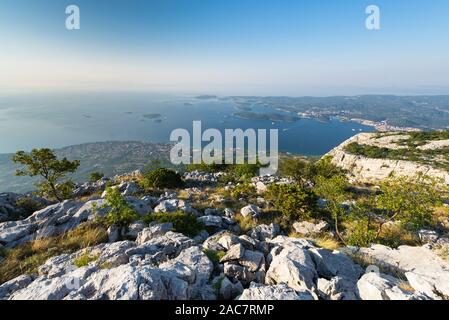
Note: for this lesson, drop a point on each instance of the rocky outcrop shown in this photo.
(276, 292)
(424, 270)
(121, 270)
(363, 169)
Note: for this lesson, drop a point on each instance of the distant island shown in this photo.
(152, 116)
(265, 116)
(206, 97)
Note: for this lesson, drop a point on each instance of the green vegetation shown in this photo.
(26, 258)
(161, 178)
(28, 206)
(204, 167)
(95, 176)
(420, 138)
(389, 217)
(293, 201)
(120, 213)
(303, 171)
(214, 256)
(44, 163)
(335, 191)
(409, 201)
(84, 260)
(427, 157)
(183, 222)
(243, 190)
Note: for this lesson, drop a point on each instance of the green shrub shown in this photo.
(95, 176)
(245, 171)
(120, 213)
(292, 201)
(28, 205)
(326, 169)
(245, 190)
(214, 256)
(84, 260)
(204, 167)
(410, 200)
(361, 234)
(162, 178)
(183, 222)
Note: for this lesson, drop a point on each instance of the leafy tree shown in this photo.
(292, 201)
(326, 169)
(409, 200)
(304, 171)
(362, 227)
(44, 163)
(335, 191)
(299, 170)
(245, 170)
(95, 176)
(162, 178)
(120, 213)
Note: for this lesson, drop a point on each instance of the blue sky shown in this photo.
(261, 47)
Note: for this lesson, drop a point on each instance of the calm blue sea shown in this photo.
(55, 120)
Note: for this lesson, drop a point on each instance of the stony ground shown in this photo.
(224, 262)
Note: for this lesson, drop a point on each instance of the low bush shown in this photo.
(243, 190)
(95, 176)
(28, 206)
(293, 201)
(183, 222)
(120, 213)
(161, 178)
(84, 260)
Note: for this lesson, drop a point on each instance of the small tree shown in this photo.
(293, 201)
(44, 163)
(299, 170)
(120, 213)
(409, 200)
(334, 190)
(95, 176)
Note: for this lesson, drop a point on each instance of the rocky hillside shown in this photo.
(373, 157)
(227, 259)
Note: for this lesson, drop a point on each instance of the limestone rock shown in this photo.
(250, 211)
(263, 232)
(211, 221)
(427, 273)
(274, 292)
(154, 231)
(236, 252)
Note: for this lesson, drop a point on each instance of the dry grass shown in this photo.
(27, 257)
(245, 223)
(405, 285)
(327, 243)
(395, 235)
(443, 252)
